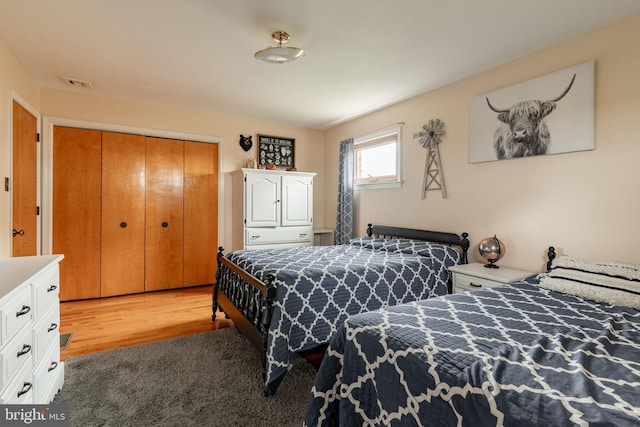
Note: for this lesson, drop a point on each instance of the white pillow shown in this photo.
(608, 282)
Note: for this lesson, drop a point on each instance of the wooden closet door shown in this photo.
(25, 183)
(200, 213)
(164, 214)
(123, 213)
(76, 210)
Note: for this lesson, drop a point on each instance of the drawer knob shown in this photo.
(53, 366)
(25, 389)
(24, 310)
(52, 288)
(123, 224)
(53, 327)
(165, 224)
(26, 348)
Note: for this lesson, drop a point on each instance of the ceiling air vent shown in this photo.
(78, 83)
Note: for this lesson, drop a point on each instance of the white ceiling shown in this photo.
(361, 55)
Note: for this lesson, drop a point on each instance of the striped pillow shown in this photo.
(607, 282)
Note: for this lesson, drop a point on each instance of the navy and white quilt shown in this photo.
(515, 355)
(318, 287)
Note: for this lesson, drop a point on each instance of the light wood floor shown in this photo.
(103, 324)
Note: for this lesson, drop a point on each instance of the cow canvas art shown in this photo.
(547, 115)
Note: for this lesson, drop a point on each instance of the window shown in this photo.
(377, 159)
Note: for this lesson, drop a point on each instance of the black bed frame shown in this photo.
(248, 301)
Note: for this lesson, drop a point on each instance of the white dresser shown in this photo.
(31, 371)
(272, 209)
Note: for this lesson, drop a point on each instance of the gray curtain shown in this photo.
(344, 218)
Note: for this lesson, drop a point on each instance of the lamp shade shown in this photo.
(280, 53)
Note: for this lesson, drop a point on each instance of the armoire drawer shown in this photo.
(15, 313)
(262, 236)
(45, 290)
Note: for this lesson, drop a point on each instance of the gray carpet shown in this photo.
(207, 379)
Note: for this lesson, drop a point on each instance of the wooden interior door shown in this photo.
(24, 206)
(164, 214)
(200, 213)
(123, 214)
(76, 210)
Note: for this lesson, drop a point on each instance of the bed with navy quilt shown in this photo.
(291, 300)
(558, 349)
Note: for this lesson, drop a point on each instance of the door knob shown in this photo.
(15, 233)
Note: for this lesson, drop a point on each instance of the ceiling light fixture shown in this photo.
(280, 53)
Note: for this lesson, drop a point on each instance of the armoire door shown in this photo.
(200, 213)
(123, 214)
(297, 200)
(164, 214)
(262, 200)
(76, 210)
(24, 201)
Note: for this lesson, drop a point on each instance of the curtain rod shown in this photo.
(378, 130)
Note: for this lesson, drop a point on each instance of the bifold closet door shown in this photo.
(76, 210)
(123, 214)
(164, 214)
(200, 213)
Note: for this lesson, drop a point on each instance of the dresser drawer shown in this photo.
(45, 331)
(263, 236)
(462, 283)
(46, 288)
(14, 355)
(48, 374)
(20, 390)
(15, 313)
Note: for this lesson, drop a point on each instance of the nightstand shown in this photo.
(471, 277)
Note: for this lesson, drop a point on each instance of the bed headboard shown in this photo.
(451, 239)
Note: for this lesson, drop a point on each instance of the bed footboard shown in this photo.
(245, 300)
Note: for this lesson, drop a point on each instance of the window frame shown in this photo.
(389, 135)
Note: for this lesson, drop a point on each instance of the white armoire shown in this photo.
(272, 209)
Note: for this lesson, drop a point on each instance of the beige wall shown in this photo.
(15, 81)
(586, 204)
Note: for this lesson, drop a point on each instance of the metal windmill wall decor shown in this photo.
(430, 138)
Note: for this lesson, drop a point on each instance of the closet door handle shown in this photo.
(165, 224)
(123, 224)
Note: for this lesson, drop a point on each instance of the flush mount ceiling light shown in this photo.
(280, 53)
